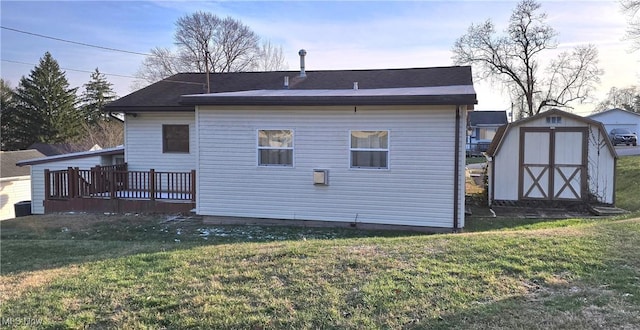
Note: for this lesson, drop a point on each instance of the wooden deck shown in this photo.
(117, 190)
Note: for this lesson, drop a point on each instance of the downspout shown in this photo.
(456, 172)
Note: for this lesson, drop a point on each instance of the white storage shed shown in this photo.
(554, 156)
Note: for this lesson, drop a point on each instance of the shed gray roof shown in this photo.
(9, 159)
(494, 118)
(165, 95)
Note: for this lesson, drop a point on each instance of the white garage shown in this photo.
(618, 118)
(554, 156)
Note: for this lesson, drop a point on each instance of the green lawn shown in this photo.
(85, 271)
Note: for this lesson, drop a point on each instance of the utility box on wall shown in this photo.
(320, 177)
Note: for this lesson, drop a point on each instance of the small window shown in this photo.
(175, 138)
(554, 120)
(275, 148)
(370, 149)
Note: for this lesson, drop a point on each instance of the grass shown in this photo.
(87, 271)
(475, 160)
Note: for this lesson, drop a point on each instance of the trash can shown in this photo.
(22, 208)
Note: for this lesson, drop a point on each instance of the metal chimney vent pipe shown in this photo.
(286, 82)
(302, 54)
(355, 85)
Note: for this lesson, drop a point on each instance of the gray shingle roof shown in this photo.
(9, 159)
(166, 94)
(495, 118)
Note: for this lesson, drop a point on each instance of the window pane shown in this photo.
(374, 159)
(369, 139)
(175, 138)
(275, 138)
(275, 157)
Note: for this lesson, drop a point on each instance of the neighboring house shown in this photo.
(346, 146)
(53, 149)
(82, 160)
(552, 157)
(15, 182)
(482, 128)
(618, 118)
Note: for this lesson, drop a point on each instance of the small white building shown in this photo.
(83, 160)
(554, 156)
(618, 118)
(15, 182)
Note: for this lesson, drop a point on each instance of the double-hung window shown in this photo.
(370, 149)
(275, 148)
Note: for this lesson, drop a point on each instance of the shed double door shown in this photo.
(553, 163)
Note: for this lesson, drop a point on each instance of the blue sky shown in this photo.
(336, 34)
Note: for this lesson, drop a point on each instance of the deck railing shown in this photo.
(118, 182)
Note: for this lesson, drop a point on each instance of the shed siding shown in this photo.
(417, 189)
(600, 161)
(601, 167)
(143, 141)
(506, 164)
(37, 177)
(13, 190)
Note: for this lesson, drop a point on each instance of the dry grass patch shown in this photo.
(16, 285)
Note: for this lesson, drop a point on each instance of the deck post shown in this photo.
(76, 183)
(70, 185)
(112, 184)
(47, 184)
(152, 184)
(193, 185)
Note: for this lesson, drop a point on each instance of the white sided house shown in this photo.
(15, 181)
(552, 157)
(618, 118)
(81, 160)
(357, 147)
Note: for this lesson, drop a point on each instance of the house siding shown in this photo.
(416, 190)
(13, 190)
(143, 141)
(37, 177)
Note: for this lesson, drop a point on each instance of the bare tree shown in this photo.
(105, 133)
(513, 59)
(632, 9)
(627, 98)
(572, 76)
(161, 64)
(238, 45)
(271, 58)
(204, 43)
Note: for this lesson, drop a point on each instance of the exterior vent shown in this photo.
(321, 177)
(302, 54)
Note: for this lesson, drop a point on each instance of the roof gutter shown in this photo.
(331, 100)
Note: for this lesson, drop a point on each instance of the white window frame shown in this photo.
(387, 150)
(292, 148)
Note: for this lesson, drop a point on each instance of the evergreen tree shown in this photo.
(98, 92)
(46, 106)
(9, 137)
